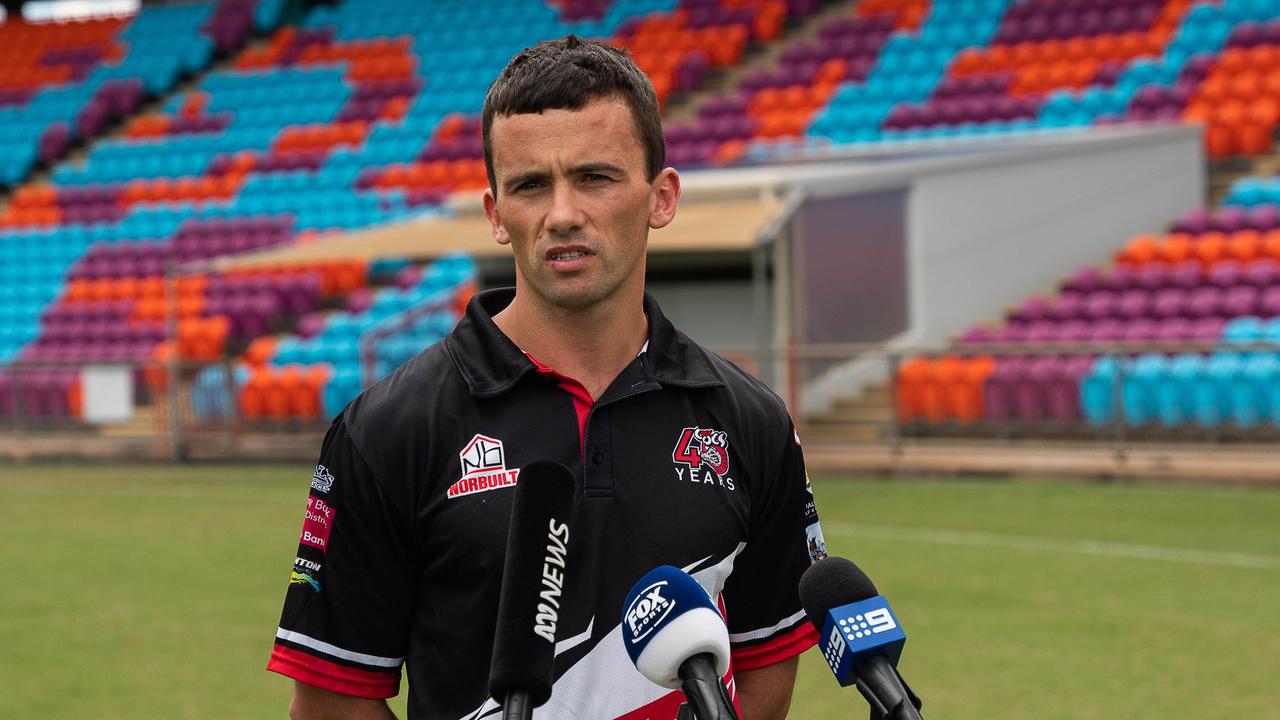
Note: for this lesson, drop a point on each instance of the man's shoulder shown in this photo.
(750, 396)
(403, 402)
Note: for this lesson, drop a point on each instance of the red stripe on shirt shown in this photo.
(582, 401)
(331, 676)
(776, 649)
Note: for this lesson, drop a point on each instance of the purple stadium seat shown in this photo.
(1269, 304)
(1119, 279)
(1072, 331)
(359, 301)
(1264, 217)
(311, 325)
(978, 335)
(1035, 308)
(1107, 330)
(1041, 331)
(1208, 329)
(1231, 218)
(1240, 300)
(1086, 279)
(1226, 274)
(1194, 222)
(1133, 304)
(1063, 395)
(1141, 330)
(1100, 304)
(1186, 275)
(1205, 302)
(999, 389)
(1262, 273)
(1010, 333)
(1068, 306)
(1152, 277)
(1168, 303)
(1174, 329)
(1029, 399)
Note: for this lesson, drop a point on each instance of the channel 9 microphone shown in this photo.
(521, 672)
(859, 636)
(677, 638)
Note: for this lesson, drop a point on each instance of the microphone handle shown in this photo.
(879, 682)
(704, 689)
(517, 706)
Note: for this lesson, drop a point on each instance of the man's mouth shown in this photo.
(566, 254)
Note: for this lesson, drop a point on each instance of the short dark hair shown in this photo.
(566, 74)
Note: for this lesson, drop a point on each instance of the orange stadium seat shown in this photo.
(907, 395)
(1175, 248)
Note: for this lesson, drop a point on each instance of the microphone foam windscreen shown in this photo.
(832, 582)
(533, 577)
(668, 618)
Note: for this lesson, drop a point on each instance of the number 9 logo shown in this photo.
(880, 620)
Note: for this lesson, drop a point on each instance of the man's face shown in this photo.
(573, 201)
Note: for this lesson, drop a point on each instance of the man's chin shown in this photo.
(574, 299)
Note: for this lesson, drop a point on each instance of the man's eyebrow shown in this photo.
(519, 179)
(597, 167)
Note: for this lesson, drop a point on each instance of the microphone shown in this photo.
(860, 637)
(677, 639)
(529, 606)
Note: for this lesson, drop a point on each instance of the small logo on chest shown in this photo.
(701, 456)
(484, 468)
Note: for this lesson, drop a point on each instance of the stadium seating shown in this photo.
(1213, 279)
(365, 112)
(64, 82)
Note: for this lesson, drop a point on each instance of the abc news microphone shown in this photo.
(521, 671)
(677, 639)
(859, 636)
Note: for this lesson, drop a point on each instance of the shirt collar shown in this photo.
(491, 364)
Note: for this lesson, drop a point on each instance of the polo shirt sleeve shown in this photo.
(762, 599)
(348, 607)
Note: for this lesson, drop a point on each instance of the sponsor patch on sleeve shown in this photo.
(816, 543)
(319, 523)
(305, 572)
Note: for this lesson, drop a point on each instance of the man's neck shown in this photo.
(591, 345)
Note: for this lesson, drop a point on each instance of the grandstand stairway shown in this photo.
(863, 417)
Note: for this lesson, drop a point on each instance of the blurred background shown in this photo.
(1014, 265)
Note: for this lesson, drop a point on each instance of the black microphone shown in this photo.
(529, 606)
(859, 636)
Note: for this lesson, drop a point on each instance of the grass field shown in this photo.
(154, 592)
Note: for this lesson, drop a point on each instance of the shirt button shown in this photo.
(597, 457)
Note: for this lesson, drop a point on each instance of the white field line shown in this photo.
(1082, 547)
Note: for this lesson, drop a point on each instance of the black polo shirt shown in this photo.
(684, 460)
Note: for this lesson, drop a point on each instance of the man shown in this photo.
(680, 458)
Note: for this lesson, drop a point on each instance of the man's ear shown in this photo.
(666, 194)
(500, 235)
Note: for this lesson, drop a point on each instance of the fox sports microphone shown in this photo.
(533, 578)
(859, 636)
(677, 638)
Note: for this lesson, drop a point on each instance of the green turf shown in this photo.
(154, 592)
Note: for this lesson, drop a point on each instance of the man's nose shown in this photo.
(564, 216)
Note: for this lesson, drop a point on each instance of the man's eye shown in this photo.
(528, 185)
(595, 177)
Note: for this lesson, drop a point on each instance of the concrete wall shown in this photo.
(984, 232)
(985, 238)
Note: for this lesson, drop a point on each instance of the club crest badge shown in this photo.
(322, 479)
(701, 455)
